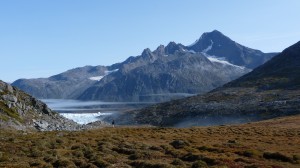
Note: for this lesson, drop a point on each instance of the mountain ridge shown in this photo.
(240, 101)
(82, 87)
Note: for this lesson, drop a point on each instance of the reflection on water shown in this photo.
(84, 112)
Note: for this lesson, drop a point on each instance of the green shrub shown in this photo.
(210, 149)
(178, 144)
(250, 153)
(77, 153)
(124, 151)
(101, 163)
(80, 163)
(145, 155)
(88, 153)
(277, 156)
(34, 152)
(147, 164)
(3, 157)
(62, 163)
(199, 164)
(177, 162)
(74, 147)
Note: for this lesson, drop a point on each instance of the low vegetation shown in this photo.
(274, 144)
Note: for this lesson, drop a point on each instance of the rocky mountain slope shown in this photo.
(168, 76)
(169, 72)
(21, 111)
(69, 84)
(269, 91)
(216, 44)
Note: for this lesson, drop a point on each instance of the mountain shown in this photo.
(216, 44)
(271, 90)
(21, 111)
(169, 72)
(69, 84)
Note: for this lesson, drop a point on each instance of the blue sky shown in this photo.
(44, 38)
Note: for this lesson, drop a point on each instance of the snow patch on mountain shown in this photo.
(222, 61)
(96, 78)
(109, 72)
(209, 47)
(192, 51)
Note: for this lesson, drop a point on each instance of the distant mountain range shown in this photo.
(271, 90)
(169, 72)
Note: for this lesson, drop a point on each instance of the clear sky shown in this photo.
(40, 38)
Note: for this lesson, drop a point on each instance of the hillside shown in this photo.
(273, 143)
(21, 111)
(269, 91)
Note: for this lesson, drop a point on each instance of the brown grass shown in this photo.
(274, 143)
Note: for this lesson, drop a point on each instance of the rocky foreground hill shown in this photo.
(20, 111)
(269, 91)
(169, 72)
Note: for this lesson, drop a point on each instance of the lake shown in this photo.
(84, 112)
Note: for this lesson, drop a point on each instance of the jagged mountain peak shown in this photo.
(160, 50)
(208, 39)
(214, 35)
(172, 47)
(146, 53)
(217, 44)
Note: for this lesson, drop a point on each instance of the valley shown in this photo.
(149, 84)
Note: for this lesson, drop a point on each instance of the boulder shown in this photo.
(10, 98)
(40, 125)
(10, 89)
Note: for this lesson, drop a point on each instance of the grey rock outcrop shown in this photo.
(21, 111)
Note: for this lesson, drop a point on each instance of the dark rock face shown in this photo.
(282, 72)
(20, 111)
(271, 90)
(170, 72)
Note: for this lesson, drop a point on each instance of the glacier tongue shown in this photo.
(84, 118)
